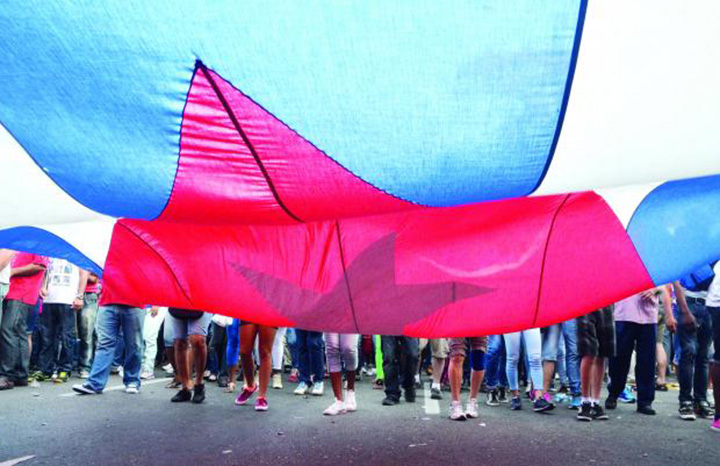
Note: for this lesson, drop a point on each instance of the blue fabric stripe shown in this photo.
(676, 228)
(39, 241)
(437, 104)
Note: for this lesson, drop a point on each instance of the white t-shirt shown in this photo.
(5, 275)
(63, 280)
(713, 296)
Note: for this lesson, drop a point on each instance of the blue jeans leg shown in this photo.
(572, 358)
(107, 327)
(131, 320)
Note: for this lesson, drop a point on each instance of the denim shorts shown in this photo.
(182, 328)
(596, 333)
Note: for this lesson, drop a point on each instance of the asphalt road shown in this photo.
(59, 428)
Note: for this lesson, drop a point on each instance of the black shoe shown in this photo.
(541, 404)
(686, 411)
(21, 382)
(492, 398)
(702, 409)
(198, 394)
(502, 395)
(611, 403)
(598, 413)
(390, 401)
(223, 381)
(585, 413)
(435, 394)
(410, 396)
(6, 384)
(646, 410)
(182, 396)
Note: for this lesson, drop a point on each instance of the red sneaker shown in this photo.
(245, 395)
(261, 404)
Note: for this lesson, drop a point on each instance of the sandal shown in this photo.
(230, 387)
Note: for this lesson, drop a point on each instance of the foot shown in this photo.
(390, 401)
(627, 396)
(542, 405)
(471, 410)
(585, 413)
(261, 404)
(213, 378)
(350, 401)
(503, 395)
(435, 393)
(182, 396)
(230, 387)
(410, 396)
(245, 395)
(85, 389)
(147, 375)
(516, 403)
(492, 398)
(611, 402)
(702, 409)
(174, 384)
(132, 389)
(338, 407)
(223, 381)
(378, 384)
(62, 377)
(576, 402)
(646, 410)
(277, 381)
(686, 411)
(456, 411)
(21, 382)
(84, 374)
(301, 389)
(318, 388)
(198, 393)
(168, 368)
(293, 377)
(598, 413)
(715, 426)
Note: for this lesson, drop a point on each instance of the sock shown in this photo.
(586, 400)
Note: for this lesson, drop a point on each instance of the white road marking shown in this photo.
(16, 461)
(431, 406)
(121, 387)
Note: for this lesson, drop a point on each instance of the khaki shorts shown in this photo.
(458, 346)
(438, 346)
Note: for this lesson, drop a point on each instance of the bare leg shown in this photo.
(199, 347)
(597, 377)
(661, 364)
(182, 370)
(455, 374)
(548, 373)
(336, 382)
(267, 337)
(247, 341)
(587, 364)
(438, 365)
(476, 378)
(715, 377)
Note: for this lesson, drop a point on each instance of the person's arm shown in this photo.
(27, 270)
(6, 256)
(686, 317)
(79, 301)
(670, 321)
(92, 278)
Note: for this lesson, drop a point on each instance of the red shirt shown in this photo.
(27, 288)
(93, 287)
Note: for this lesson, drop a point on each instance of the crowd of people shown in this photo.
(52, 328)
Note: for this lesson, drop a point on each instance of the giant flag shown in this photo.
(419, 168)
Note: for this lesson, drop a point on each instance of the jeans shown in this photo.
(311, 364)
(278, 349)
(643, 338)
(568, 331)
(4, 287)
(495, 361)
(151, 329)
(111, 319)
(14, 350)
(86, 329)
(341, 348)
(57, 323)
(217, 362)
(291, 338)
(232, 353)
(533, 350)
(694, 349)
(715, 317)
(400, 360)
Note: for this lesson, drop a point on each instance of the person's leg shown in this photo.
(512, 348)
(492, 361)
(349, 350)
(48, 349)
(715, 364)
(572, 358)
(107, 327)
(439, 347)
(598, 372)
(390, 366)
(303, 363)
(182, 356)
(409, 363)
(248, 332)
(455, 368)
(132, 319)
(478, 348)
(67, 336)
(662, 363)
(332, 349)
(686, 366)
(704, 339)
(619, 366)
(533, 349)
(645, 364)
(151, 328)
(22, 365)
(316, 356)
(549, 354)
(278, 349)
(587, 365)
(266, 340)
(560, 365)
(87, 330)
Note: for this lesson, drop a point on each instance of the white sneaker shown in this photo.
(456, 411)
(84, 374)
(301, 389)
(338, 407)
(147, 375)
(318, 388)
(132, 390)
(277, 381)
(350, 402)
(471, 411)
(168, 368)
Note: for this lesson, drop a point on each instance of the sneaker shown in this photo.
(611, 402)
(627, 396)
(598, 413)
(245, 395)
(261, 404)
(715, 425)
(84, 389)
(301, 389)
(223, 381)
(293, 377)
(702, 409)
(576, 402)
(503, 395)
(318, 388)
(84, 374)
(132, 389)
(492, 398)
(378, 384)
(350, 401)
(198, 393)
(40, 377)
(277, 381)
(471, 410)
(410, 396)
(147, 375)
(182, 396)
(213, 378)
(648, 410)
(338, 407)
(515, 403)
(456, 411)
(390, 401)
(542, 404)
(168, 368)
(206, 375)
(435, 393)
(62, 377)
(686, 411)
(585, 413)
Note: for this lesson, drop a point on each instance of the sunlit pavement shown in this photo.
(60, 428)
